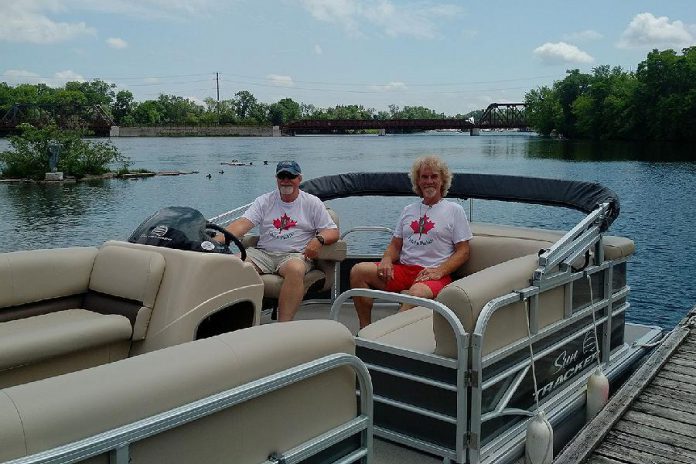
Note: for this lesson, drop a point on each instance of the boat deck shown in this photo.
(652, 418)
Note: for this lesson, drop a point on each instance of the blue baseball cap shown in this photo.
(288, 166)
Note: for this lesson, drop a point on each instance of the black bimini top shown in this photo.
(581, 196)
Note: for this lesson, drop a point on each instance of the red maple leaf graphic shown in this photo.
(423, 225)
(284, 222)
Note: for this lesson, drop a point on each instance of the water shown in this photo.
(657, 199)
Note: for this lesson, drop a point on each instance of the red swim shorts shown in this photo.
(405, 276)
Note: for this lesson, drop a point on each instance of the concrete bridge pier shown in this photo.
(474, 131)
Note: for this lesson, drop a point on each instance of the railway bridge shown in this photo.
(496, 116)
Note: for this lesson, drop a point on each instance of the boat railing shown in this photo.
(117, 441)
(582, 317)
(576, 242)
(459, 365)
(228, 216)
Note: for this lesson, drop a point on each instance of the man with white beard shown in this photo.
(431, 240)
(293, 226)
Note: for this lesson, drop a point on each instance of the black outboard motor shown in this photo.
(179, 227)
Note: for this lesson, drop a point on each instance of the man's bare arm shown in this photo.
(239, 227)
(330, 235)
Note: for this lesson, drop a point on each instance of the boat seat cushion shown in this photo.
(38, 275)
(125, 281)
(58, 410)
(412, 330)
(33, 340)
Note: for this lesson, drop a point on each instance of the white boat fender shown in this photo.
(597, 393)
(539, 442)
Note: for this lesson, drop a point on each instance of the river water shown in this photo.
(654, 184)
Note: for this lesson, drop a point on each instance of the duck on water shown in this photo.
(134, 352)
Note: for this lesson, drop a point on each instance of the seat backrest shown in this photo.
(125, 281)
(503, 259)
(41, 415)
(33, 276)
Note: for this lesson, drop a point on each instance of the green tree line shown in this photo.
(73, 106)
(656, 102)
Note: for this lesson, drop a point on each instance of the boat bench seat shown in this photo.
(502, 260)
(72, 308)
(41, 415)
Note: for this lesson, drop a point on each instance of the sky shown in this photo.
(450, 56)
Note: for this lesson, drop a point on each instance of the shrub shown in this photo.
(29, 157)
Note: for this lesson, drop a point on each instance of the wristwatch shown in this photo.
(320, 238)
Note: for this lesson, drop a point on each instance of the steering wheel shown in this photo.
(229, 237)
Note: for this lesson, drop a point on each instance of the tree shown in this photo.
(147, 113)
(244, 103)
(123, 106)
(286, 110)
(29, 157)
(544, 112)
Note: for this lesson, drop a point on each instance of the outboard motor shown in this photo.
(182, 228)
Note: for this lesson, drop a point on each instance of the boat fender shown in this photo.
(539, 440)
(597, 393)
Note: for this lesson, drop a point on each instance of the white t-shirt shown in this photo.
(288, 226)
(430, 233)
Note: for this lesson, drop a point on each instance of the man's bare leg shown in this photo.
(292, 290)
(419, 290)
(364, 275)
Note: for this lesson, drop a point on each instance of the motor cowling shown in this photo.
(179, 227)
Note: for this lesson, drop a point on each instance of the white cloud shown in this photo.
(402, 19)
(196, 100)
(21, 76)
(151, 80)
(115, 42)
(280, 81)
(583, 36)
(318, 50)
(32, 21)
(26, 22)
(561, 52)
(391, 86)
(647, 31)
(68, 76)
(18, 76)
(148, 9)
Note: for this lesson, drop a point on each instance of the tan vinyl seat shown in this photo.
(38, 416)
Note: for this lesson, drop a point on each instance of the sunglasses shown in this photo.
(286, 175)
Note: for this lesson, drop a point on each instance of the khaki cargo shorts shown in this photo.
(270, 261)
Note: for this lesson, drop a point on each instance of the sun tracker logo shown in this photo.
(160, 231)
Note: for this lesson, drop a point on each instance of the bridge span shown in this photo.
(496, 116)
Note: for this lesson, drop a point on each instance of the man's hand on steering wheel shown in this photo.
(228, 238)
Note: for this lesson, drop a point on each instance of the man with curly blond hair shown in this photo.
(431, 240)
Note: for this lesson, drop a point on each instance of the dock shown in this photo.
(652, 418)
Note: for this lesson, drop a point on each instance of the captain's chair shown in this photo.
(318, 280)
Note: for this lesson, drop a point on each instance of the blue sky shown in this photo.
(452, 56)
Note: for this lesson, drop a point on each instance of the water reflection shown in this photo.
(585, 150)
(41, 215)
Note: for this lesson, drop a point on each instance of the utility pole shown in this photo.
(217, 85)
